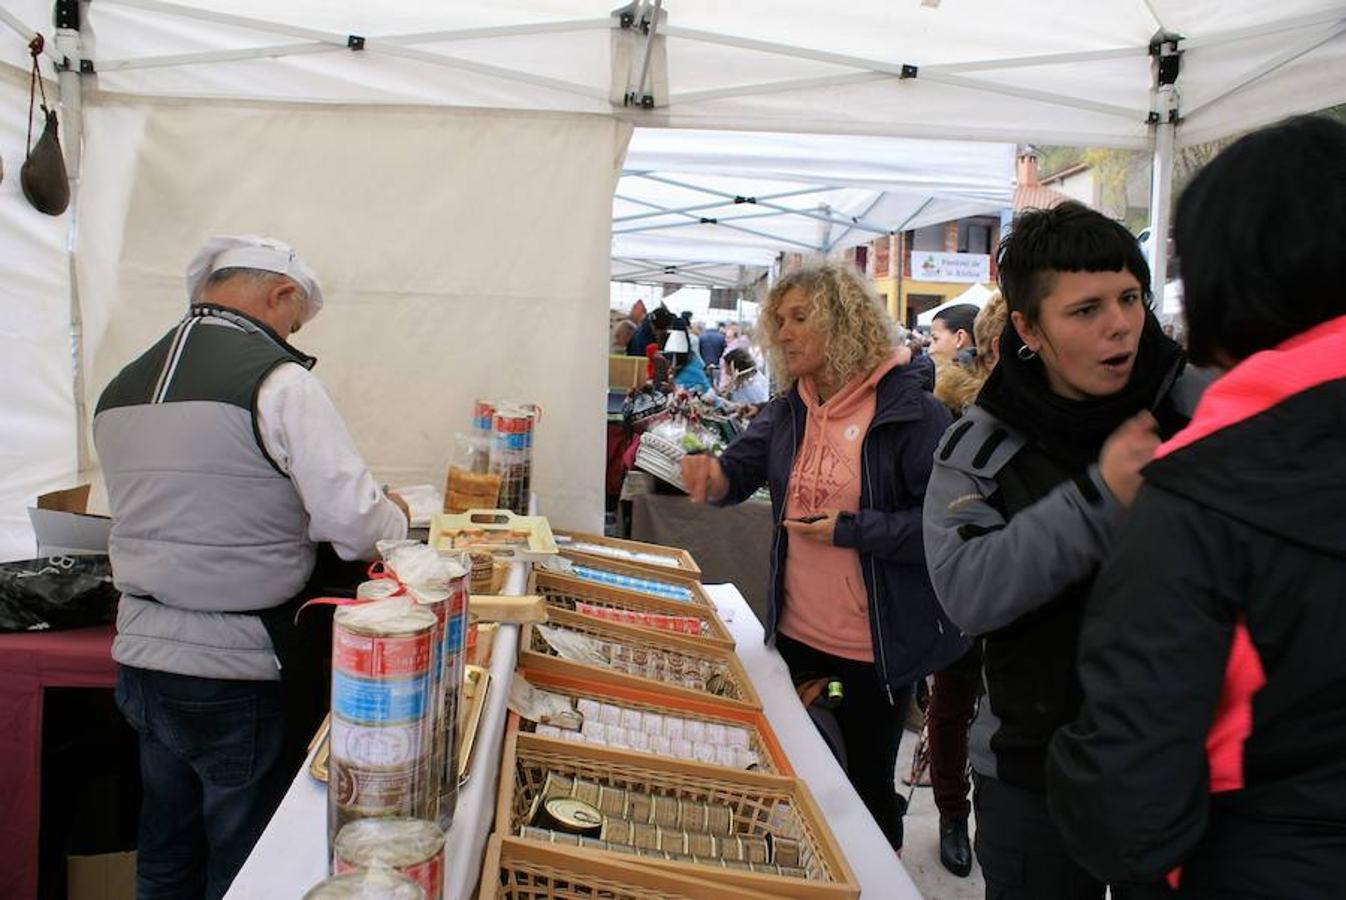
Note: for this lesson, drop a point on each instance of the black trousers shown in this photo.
(870, 723)
(1021, 854)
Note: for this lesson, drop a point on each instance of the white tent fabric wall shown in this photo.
(37, 410)
(463, 254)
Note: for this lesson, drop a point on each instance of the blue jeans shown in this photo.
(213, 767)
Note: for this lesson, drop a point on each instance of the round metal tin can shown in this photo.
(413, 847)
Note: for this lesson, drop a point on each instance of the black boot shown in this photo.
(955, 851)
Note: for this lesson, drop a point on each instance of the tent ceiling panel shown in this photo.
(1053, 71)
(800, 192)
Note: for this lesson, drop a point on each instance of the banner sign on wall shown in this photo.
(971, 268)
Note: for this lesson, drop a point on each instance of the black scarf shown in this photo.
(1073, 431)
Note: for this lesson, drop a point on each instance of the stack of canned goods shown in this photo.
(512, 456)
(382, 711)
(483, 417)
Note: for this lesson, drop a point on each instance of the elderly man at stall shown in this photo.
(226, 466)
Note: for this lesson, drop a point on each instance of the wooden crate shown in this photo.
(534, 653)
(668, 576)
(571, 681)
(761, 803)
(515, 869)
(565, 591)
(679, 560)
(626, 372)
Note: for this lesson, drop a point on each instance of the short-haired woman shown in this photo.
(1027, 493)
(846, 452)
(1213, 731)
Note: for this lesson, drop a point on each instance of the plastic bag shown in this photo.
(470, 484)
(57, 592)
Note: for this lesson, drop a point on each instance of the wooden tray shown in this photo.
(679, 560)
(534, 653)
(667, 576)
(565, 591)
(497, 531)
(476, 684)
(573, 683)
(515, 869)
(762, 803)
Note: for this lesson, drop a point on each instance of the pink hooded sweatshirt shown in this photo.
(826, 605)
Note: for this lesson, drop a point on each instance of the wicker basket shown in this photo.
(573, 682)
(565, 591)
(762, 804)
(534, 653)
(516, 869)
(679, 560)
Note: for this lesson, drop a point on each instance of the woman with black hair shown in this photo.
(1213, 731)
(951, 338)
(1027, 493)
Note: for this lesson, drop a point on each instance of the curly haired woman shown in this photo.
(846, 452)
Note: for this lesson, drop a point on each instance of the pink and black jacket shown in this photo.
(1211, 747)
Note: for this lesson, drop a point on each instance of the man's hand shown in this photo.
(703, 477)
(820, 529)
(401, 504)
(1126, 451)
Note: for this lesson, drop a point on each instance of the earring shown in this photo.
(1025, 354)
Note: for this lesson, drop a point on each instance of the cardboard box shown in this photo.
(64, 528)
(626, 372)
(107, 876)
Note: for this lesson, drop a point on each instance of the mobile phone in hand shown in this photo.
(808, 520)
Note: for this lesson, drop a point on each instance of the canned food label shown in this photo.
(428, 874)
(375, 656)
(386, 792)
(454, 638)
(384, 700)
(376, 745)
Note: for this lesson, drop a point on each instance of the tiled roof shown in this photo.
(1035, 196)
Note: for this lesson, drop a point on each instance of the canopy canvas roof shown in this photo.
(1049, 71)
(734, 194)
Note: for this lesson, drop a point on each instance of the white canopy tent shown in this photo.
(977, 295)
(347, 123)
(798, 192)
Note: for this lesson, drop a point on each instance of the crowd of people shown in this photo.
(1126, 555)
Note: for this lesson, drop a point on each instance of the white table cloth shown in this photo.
(875, 864)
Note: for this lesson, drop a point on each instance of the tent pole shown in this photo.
(70, 53)
(1164, 122)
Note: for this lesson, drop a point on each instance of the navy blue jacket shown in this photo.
(911, 635)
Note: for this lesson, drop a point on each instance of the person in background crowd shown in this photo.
(747, 385)
(226, 465)
(957, 385)
(951, 333)
(954, 690)
(688, 372)
(736, 338)
(693, 333)
(622, 333)
(652, 329)
(1028, 491)
(1213, 731)
(712, 344)
(846, 451)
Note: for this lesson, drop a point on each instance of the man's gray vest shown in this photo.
(204, 524)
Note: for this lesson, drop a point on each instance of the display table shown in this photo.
(731, 544)
(291, 855)
(876, 866)
(30, 663)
